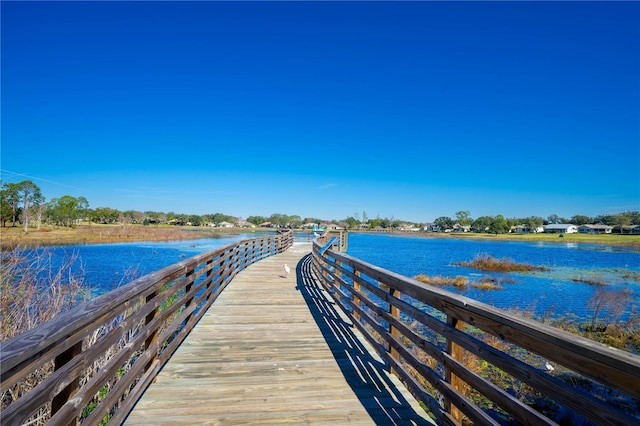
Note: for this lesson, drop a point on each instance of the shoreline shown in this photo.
(12, 237)
(615, 240)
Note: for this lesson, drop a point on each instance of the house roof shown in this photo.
(559, 225)
(598, 226)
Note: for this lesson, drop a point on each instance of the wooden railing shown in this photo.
(92, 363)
(468, 361)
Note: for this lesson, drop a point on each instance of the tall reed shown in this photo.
(34, 288)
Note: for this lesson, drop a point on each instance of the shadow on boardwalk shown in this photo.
(366, 375)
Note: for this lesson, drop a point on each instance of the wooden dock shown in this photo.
(273, 349)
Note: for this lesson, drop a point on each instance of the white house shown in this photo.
(524, 229)
(225, 225)
(595, 229)
(564, 228)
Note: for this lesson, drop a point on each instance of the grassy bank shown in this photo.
(604, 239)
(99, 234)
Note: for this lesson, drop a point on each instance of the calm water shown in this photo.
(542, 291)
(106, 266)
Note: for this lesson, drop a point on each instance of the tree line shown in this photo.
(24, 203)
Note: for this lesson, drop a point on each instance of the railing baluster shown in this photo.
(209, 279)
(354, 297)
(456, 353)
(393, 331)
(189, 301)
(65, 394)
(154, 335)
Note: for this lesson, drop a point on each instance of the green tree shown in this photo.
(374, 223)
(533, 222)
(622, 219)
(67, 209)
(499, 225)
(194, 220)
(444, 222)
(10, 201)
(463, 218)
(352, 222)
(256, 220)
(482, 224)
(279, 219)
(152, 217)
(634, 216)
(132, 216)
(554, 219)
(295, 221)
(580, 220)
(105, 215)
(28, 195)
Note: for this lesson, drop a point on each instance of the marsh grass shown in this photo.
(486, 262)
(100, 234)
(487, 285)
(441, 281)
(34, 290)
(591, 279)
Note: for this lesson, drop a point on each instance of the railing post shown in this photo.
(65, 394)
(393, 331)
(154, 335)
(354, 297)
(189, 301)
(455, 351)
(325, 274)
(209, 278)
(253, 252)
(339, 276)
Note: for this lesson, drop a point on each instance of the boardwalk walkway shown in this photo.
(273, 349)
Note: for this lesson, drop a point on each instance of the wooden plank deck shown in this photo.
(273, 349)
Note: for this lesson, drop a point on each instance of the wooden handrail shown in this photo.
(108, 350)
(428, 336)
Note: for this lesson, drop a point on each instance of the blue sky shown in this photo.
(410, 110)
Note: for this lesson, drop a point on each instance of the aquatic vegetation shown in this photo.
(487, 285)
(439, 280)
(486, 262)
(632, 276)
(594, 279)
(606, 307)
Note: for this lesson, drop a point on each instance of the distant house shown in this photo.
(461, 228)
(225, 225)
(627, 229)
(244, 224)
(524, 229)
(595, 229)
(520, 229)
(561, 228)
(267, 225)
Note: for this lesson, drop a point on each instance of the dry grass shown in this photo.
(487, 285)
(99, 234)
(593, 279)
(439, 280)
(33, 291)
(486, 262)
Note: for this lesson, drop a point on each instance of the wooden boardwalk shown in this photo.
(273, 349)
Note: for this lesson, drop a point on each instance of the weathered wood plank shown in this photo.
(273, 349)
